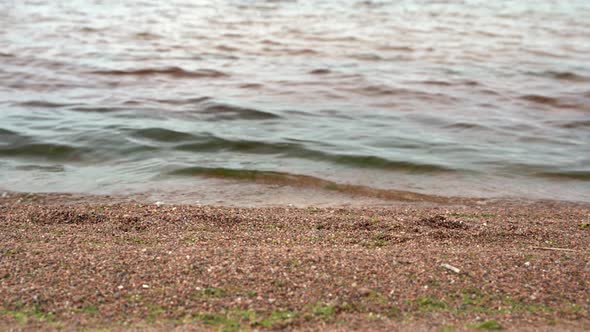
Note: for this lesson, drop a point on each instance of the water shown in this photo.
(454, 98)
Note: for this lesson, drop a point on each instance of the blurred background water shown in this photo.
(460, 98)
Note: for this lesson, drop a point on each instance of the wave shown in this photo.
(279, 178)
(562, 76)
(147, 36)
(168, 71)
(182, 101)
(547, 171)
(162, 134)
(572, 124)
(6, 132)
(251, 86)
(545, 100)
(97, 109)
(231, 112)
(9, 137)
(380, 90)
(447, 83)
(293, 150)
(44, 168)
(42, 104)
(46, 151)
(467, 125)
(571, 175)
(320, 71)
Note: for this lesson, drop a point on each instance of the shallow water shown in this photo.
(471, 98)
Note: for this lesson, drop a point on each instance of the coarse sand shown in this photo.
(68, 263)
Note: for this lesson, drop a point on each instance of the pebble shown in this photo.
(365, 291)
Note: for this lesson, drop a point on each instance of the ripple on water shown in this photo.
(45, 151)
(175, 72)
(212, 143)
(221, 112)
(162, 134)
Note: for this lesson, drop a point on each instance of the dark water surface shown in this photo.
(463, 98)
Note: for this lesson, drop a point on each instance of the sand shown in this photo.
(72, 263)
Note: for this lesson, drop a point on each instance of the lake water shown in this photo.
(454, 98)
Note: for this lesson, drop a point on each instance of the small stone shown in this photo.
(120, 287)
(364, 291)
(145, 286)
(451, 268)
(527, 264)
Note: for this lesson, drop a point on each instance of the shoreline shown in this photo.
(99, 262)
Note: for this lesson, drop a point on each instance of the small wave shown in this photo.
(270, 42)
(96, 109)
(573, 124)
(9, 137)
(382, 163)
(6, 132)
(42, 104)
(162, 135)
(280, 178)
(559, 102)
(367, 57)
(230, 112)
(405, 49)
(545, 100)
(466, 125)
(447, 83)
(384, 91)
(379, 90)
(567, 76)
(42, 150)
(89, 29)
(251, 86)
(147, 36)
(183, 101)
(294, 150)
(304, 51)
(45, 168)
(169, 71)
(560, 75)
(572, 175)
(321, 71)
(213, 143)
(226, 48)
(434, 82)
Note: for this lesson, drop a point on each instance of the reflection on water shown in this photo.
(471, 98)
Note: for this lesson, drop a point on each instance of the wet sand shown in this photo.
(74, 262)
